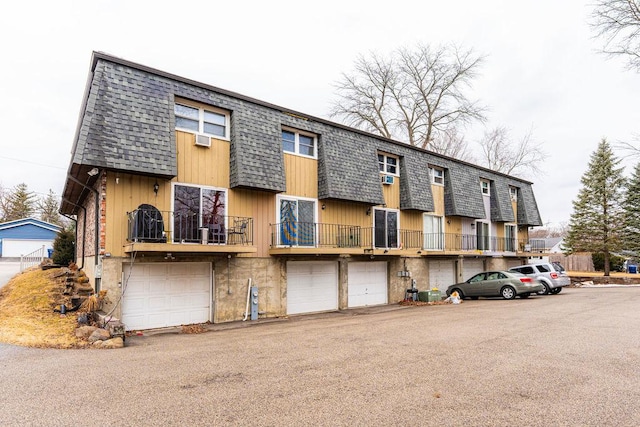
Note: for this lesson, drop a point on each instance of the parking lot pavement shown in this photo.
(8, 269)
(568, 359)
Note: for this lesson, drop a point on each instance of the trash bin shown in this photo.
(49, 253)
(633, 269)
(434, 296)
(423, 296)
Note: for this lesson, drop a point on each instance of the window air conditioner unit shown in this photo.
(386, 179)
(203, 140)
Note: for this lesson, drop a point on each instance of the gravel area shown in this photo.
(560, 360)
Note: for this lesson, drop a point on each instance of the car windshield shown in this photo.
(559, 268)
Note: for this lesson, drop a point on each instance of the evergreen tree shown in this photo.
(596, 222)
(64, 246)
(48, 207)
(20, 203)
(632, 213)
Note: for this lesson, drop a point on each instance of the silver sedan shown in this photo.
(505, 284)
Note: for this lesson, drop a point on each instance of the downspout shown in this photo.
(84, 231)
(97, 225)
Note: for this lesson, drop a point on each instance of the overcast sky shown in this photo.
(542, 70)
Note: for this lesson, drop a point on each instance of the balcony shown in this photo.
(152, 230)
(318, 238)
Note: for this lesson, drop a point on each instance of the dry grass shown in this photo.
(26, 312)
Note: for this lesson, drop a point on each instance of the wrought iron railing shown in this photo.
(311, 235)
(150, 225)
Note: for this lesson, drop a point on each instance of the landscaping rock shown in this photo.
(117, 342)
(99, 335)
(85, 332)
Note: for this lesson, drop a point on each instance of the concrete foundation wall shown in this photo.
(231, 280)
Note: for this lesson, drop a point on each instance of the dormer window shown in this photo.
(297, 142)
(206, 121)
(513, 193)
(437, 175)
(388, 164)
(485, 186)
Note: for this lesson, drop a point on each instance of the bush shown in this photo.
(616, 263)
(64, 247)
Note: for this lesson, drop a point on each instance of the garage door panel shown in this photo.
(159, 295)
(441, 274)
(471, 267)
(312, 286)
(367, 284)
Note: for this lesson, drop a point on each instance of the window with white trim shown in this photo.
(207, 121)
(388, 164)
(298, 142)
(433, 232)
(510, 237)
(513, 193)
(486, 187)
(386, 226)
(437, 175)
(296, 221)
(196, 207)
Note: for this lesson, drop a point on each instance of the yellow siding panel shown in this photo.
(391, 193)
(438, 199)
(124, 193)
(207, 166)
(301, 176)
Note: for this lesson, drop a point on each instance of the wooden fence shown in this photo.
(575, 262)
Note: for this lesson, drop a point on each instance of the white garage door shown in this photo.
(160, 295)
(442, 273)
(471, 267)
(17, 247)
(367, 283)
(312, 286)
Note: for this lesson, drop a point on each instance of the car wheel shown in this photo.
(555, 291)
(545, 289)
(524, 296)
(460, 294)
(508, 292)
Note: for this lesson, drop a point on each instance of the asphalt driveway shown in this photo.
(8, 269)
(563, 360)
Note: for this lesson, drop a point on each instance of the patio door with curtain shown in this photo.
(297, 222)
(433, 237)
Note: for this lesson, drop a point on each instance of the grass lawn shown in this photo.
(26, 312)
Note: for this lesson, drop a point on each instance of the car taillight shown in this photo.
(554, 275)
(526, 279)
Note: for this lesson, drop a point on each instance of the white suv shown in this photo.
(552, 277)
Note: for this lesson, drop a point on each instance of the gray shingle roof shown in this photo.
(128, 123)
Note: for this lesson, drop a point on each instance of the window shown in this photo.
(299, 143)
(388, 164)
(433, 236)
(197, 207)
(510, 234)
(385, 228)
(437, 175)
(513, 193)
(296, 222)
(485, 185)
(207, 121)
(482, 236)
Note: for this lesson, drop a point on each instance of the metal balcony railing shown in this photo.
(318, 235)
(150, 225)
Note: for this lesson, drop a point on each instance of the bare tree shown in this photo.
(414, 95)
(617, 23)
(453, 144)
(502, 154)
